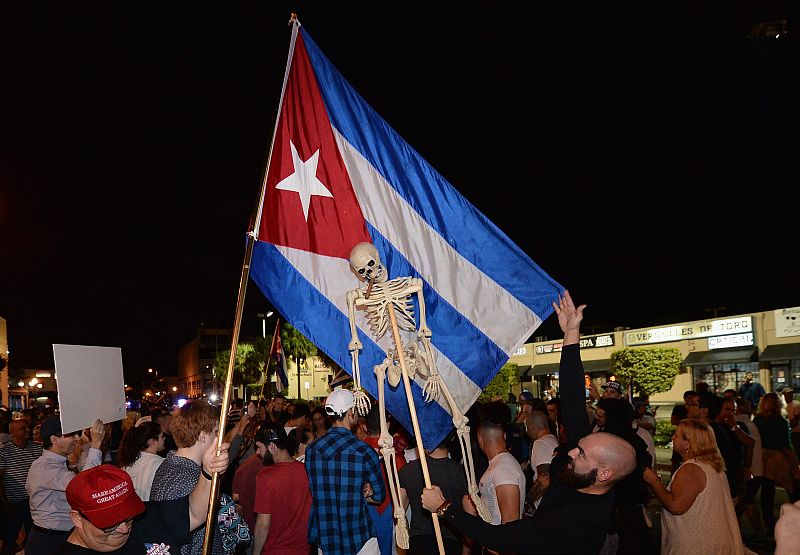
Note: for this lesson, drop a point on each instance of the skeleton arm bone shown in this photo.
(460, 422)
(424, 330)
(362, 402)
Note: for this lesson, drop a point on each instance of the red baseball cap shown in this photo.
(104, 494)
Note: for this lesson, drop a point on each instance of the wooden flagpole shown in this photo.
(414, 422)
(252, 237)
(223, 416)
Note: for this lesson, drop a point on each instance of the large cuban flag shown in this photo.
(338, 175)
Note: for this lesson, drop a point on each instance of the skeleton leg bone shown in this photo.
(386, 443)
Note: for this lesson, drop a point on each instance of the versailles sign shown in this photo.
(694, 330)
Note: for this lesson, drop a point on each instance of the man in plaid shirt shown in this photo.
(345, 475)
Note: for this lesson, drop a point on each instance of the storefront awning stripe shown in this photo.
(544, 369)
(721, 356)
(589, 366)
(781, 352)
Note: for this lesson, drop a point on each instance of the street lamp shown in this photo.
(264, 323)
(153, 372)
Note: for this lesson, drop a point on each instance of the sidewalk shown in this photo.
(763, 545)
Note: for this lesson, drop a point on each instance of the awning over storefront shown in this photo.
(524, 370)
(593, 366)
(589, 366)
(544, 369)
(781, 352)
(721, 356)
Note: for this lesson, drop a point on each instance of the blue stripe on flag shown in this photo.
(328, 328)
(483, 294)
(465, 228)
(453, 331)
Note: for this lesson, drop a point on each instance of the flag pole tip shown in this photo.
(292, 18)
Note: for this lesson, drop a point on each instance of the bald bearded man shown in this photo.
(575, 513)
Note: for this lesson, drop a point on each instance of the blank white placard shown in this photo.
(90, 385)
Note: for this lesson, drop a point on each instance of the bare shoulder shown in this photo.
(689, 476)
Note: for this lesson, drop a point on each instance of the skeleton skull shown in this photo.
(366, 262)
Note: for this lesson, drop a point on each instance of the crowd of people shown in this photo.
(570, 473)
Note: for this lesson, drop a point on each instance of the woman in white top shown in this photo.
(698, 514)
(137, 455)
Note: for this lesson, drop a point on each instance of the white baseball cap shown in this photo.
(339, 402)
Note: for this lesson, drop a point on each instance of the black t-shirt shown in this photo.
(566, 522)
(161, 530)
(445, 473)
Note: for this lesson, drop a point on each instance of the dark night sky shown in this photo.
(646, 160)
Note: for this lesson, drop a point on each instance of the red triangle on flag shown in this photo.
(316, 211)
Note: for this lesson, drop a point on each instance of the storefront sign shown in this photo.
(787, 322)
(519, 352)
(695, 330)
(728, 341)
(592, 342)
(320, 366)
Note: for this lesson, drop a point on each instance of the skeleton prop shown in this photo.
(387, 303)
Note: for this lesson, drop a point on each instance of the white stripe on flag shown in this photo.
(333, 278)
(443, 268)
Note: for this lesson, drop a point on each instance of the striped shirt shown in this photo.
(338, 465)
(14, 464)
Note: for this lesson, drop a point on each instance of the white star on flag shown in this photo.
(304, 180)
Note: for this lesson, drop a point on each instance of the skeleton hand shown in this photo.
(433, 386)
(361, 402)
(480, 506)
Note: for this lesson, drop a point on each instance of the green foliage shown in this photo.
(664, 431)
(653, 369)
(501, 383)
(295, 344)
(249, 365)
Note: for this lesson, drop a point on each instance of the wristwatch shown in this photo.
(443, 508)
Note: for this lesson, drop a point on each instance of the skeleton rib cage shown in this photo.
(377, 306)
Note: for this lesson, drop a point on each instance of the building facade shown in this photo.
(307, 380)
(718, 351)
(196, 363)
